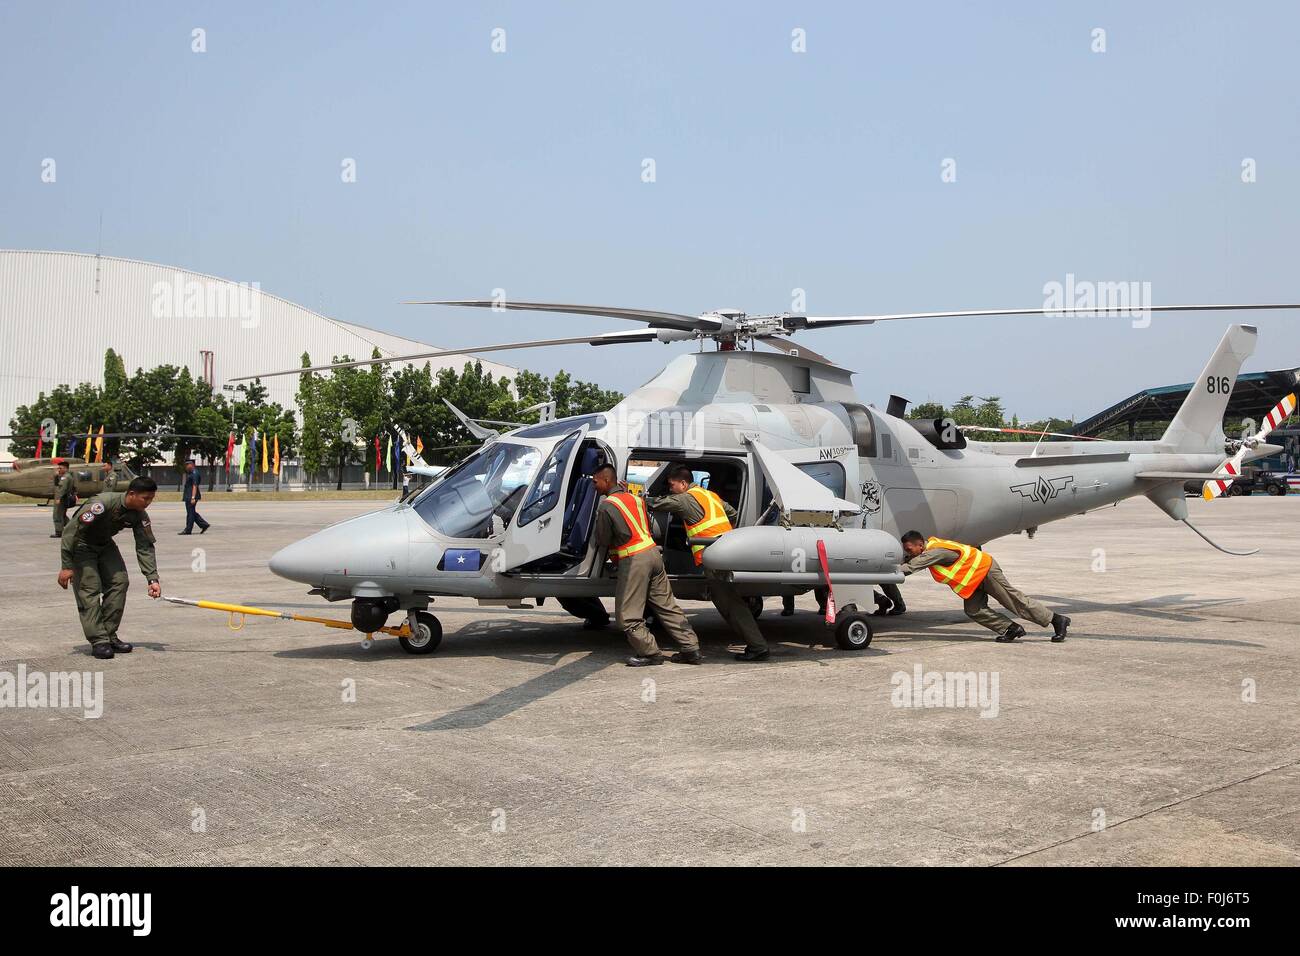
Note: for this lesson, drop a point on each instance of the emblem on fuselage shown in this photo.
(1044, 489)
(870, 497)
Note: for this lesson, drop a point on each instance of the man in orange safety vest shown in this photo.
(623, 527)
(975, 577)
(706, 516)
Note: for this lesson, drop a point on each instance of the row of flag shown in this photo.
(244, 455)
(94, 444)
(389, 456)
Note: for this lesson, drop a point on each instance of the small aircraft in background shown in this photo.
(34, 477)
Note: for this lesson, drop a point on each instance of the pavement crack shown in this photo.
(1147, 813)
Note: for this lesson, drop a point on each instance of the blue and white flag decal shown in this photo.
(461, 559)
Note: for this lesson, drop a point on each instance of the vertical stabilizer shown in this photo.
(1198, 426)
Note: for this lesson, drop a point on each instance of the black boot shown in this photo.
(898, 608)
(120, 647)
(1014, 632)
(636, 660)
(103, 650)
(1060, 624)
(753, 654)
(687, 657)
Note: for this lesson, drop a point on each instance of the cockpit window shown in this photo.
(478, 497)
(546, 494)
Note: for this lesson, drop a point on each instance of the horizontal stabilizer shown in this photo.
(1183, 475)
(1080, 459)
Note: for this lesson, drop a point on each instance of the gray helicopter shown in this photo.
(823, 483)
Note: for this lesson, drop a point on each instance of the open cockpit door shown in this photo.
(801, 498)
(538, 527)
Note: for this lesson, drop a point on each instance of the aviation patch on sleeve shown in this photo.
(97, 507)
(87, 517)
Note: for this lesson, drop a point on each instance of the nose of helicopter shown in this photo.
(369, 548)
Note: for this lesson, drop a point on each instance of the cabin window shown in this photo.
(546, 492)
(828, 474)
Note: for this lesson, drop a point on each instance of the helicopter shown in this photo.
(34, 477)
(823, 483)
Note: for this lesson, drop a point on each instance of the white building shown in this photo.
(60, 311)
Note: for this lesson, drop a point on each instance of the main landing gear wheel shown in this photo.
(853, 631)
(426, 636)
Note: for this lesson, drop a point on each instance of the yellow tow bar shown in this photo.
(237, 613)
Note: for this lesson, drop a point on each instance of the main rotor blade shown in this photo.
(828, 321)
(609, 338)
(656, 320)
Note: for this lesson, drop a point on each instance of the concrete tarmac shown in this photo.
(1164, 731)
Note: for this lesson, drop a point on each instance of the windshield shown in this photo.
(479, 496)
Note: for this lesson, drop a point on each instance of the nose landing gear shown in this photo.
(426, 633)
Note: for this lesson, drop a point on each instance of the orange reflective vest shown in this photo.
(632, 508)
(965, 574)
(711, 525)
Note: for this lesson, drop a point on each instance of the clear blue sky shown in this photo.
(775, 170)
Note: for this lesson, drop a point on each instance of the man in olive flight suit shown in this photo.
(684, 502)
(94, 565)
(622, 526)
(65, 497)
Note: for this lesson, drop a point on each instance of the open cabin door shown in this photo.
(800, 488)
(538, 526)
(835, 469)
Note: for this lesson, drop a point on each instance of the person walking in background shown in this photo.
(191, 492)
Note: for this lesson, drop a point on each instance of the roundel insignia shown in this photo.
(97, 507)
(87, 517)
